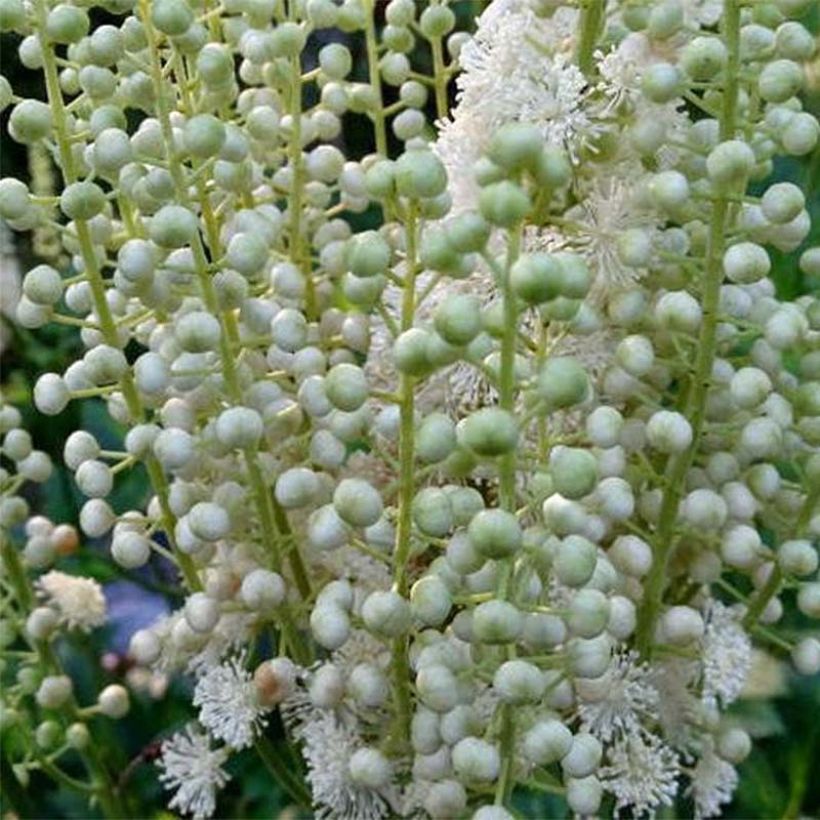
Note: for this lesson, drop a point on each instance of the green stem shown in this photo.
(375, 77)
(400, 660)
(592, 16)
(506, 495)
(108, 326)
(440, 77)
(283, 771)
(679, 464)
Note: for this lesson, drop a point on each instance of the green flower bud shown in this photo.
(516, 146)
(536, 277)
(495, 533)
(488, 432)
(662, 82)
(437, 21)
(547, 742)
(504, 203)
(575, 560)
(518, 682)
(562, 382)
(432, 513)
(435, 438)
(574, 471)
(386, 613)
(475, 760)
(497, 622)
(779, 81)
(703, 58)
(368, 254)
(67, 24)
(357, 502)
(420, 174)
(171, 17)
(458, 319)
(430, 600)
(410, 352)
(30, 121)
(173, 227)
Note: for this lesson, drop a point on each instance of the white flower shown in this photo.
(642, 774)
(726, 653)
(621, 701)
(608, 209)
(194, 769)
(519, 67)
(228, 704)
(327, 745)
(80, 601)
(673, 679)
(713, 782)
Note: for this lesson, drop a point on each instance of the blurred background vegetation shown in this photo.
(781, 778)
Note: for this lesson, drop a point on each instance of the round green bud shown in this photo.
(6, 94)
(746, 262)
(346, 387)
(703, 58)
(536, 277)
(516, 146)
(30, 121)
(562, 382)
(547, 742)
(204, 135)
(410, 352)
(14, 198)
(67, 24)
(432, 512)
(435, 438)
(214, 65)
(662, 82)
(12, 15)
(575, 275)
(665, 19)
(420, 174)
(574, 471)
(458, 319)
(782, 202)
(335, 61)
(588, 613)
(488, 432)
(497, 622)
(368, 254)
(437, 21)
(504, 203)
(430, 600)
(357, 502)
(730, 162)
(574, 560)
(495, 533)
(247, 253)
(468, 232)
(173, 227)
(387, 614)
(518, 682)
(669, 190)
(82, 200)
(171, 17)
(437, 252)
(553, 169)
(780, 80)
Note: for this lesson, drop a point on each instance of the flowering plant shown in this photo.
(484, 459)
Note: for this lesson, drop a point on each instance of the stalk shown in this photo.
(372, 46)
(506, 496)
(592, 16)
(400, 662)
(679, 464)
(95, 280)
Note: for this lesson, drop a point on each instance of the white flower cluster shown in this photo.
(513, 481)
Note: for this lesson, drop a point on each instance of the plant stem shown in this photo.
(592, 16)
(108, 327)
(372, 45)
(400, 661)
(695, 408)
(439, 77)
(282, 770)
(506, 495)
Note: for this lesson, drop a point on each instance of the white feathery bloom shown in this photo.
(518, 67)
(674, 678)
(228, 704)
(713, 782)
(192, 768)
(621, 701)
(726, 653)
(458, 146)
(361, 647)
(327, 746)
(232, 631)
(641, 774)
(697, 13)
(608, 209)
(79, 601)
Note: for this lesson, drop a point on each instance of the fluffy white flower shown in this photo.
(621, 701)
(80, 601)
(192, 768)
(327, 745)
(642, 774)
(713, 782)
(726, 653)
(228, 704)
